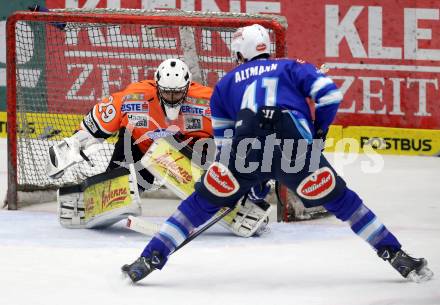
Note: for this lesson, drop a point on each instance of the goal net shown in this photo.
(60, 63)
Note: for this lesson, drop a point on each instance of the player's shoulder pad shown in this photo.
(142, 85)
(303, 67)
(115, 98)
(140, 91)
(299, 63)
(199, 92)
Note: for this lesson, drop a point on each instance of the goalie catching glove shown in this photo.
(70, 151)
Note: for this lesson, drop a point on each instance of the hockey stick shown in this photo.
(142, 226)
(149, 228)
(205, 227)
(225, 212)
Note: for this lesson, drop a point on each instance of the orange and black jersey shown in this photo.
(138, 109)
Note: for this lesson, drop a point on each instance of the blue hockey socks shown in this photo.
(191, 213)
(363, 221)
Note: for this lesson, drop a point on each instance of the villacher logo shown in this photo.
(317, 185)
(220, 181)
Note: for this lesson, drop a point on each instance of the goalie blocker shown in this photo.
(99, 201)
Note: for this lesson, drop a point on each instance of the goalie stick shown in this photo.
(225, 212)
(142, 226)
(212, 222)
(142, 266)
(243, 225)
(149, 228)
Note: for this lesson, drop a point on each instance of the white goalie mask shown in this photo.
(172, 79)
(250, 41)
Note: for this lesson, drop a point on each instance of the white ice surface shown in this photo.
(308, 263)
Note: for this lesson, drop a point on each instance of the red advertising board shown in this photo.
(384, 55)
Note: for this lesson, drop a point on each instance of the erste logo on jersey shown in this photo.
(135, 107)
(317, 185)
(220, 181)
(195, 110)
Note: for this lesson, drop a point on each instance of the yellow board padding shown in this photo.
(106, 196)
(334, 136)
(393, 141)
(49, 126)
(3, 119)
(383, 140)
(46, 126)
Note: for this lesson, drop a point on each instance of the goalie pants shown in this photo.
(133, 155)
(315, 182)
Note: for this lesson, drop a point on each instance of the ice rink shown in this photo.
(307, 263)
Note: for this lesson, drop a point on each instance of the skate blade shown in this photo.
(424, 275)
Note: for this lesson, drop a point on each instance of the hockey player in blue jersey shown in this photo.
(264, 129)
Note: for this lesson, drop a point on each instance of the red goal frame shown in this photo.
(114, 18)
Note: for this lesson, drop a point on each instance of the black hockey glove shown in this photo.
(321, 134)
(206, 155)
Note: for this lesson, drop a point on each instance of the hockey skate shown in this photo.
(142, 267)
(414, 269)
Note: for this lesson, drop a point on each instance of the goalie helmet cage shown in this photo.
(61, 62)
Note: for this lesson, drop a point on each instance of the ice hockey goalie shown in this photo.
(171, 105)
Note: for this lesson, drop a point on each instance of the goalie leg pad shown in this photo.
(99, 201)
(71, 207)
(171, 167)
(247, 219)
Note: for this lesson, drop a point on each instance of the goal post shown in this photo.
(60, 63)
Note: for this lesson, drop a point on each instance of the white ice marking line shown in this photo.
(383, 67)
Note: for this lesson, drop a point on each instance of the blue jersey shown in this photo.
(284, 83)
